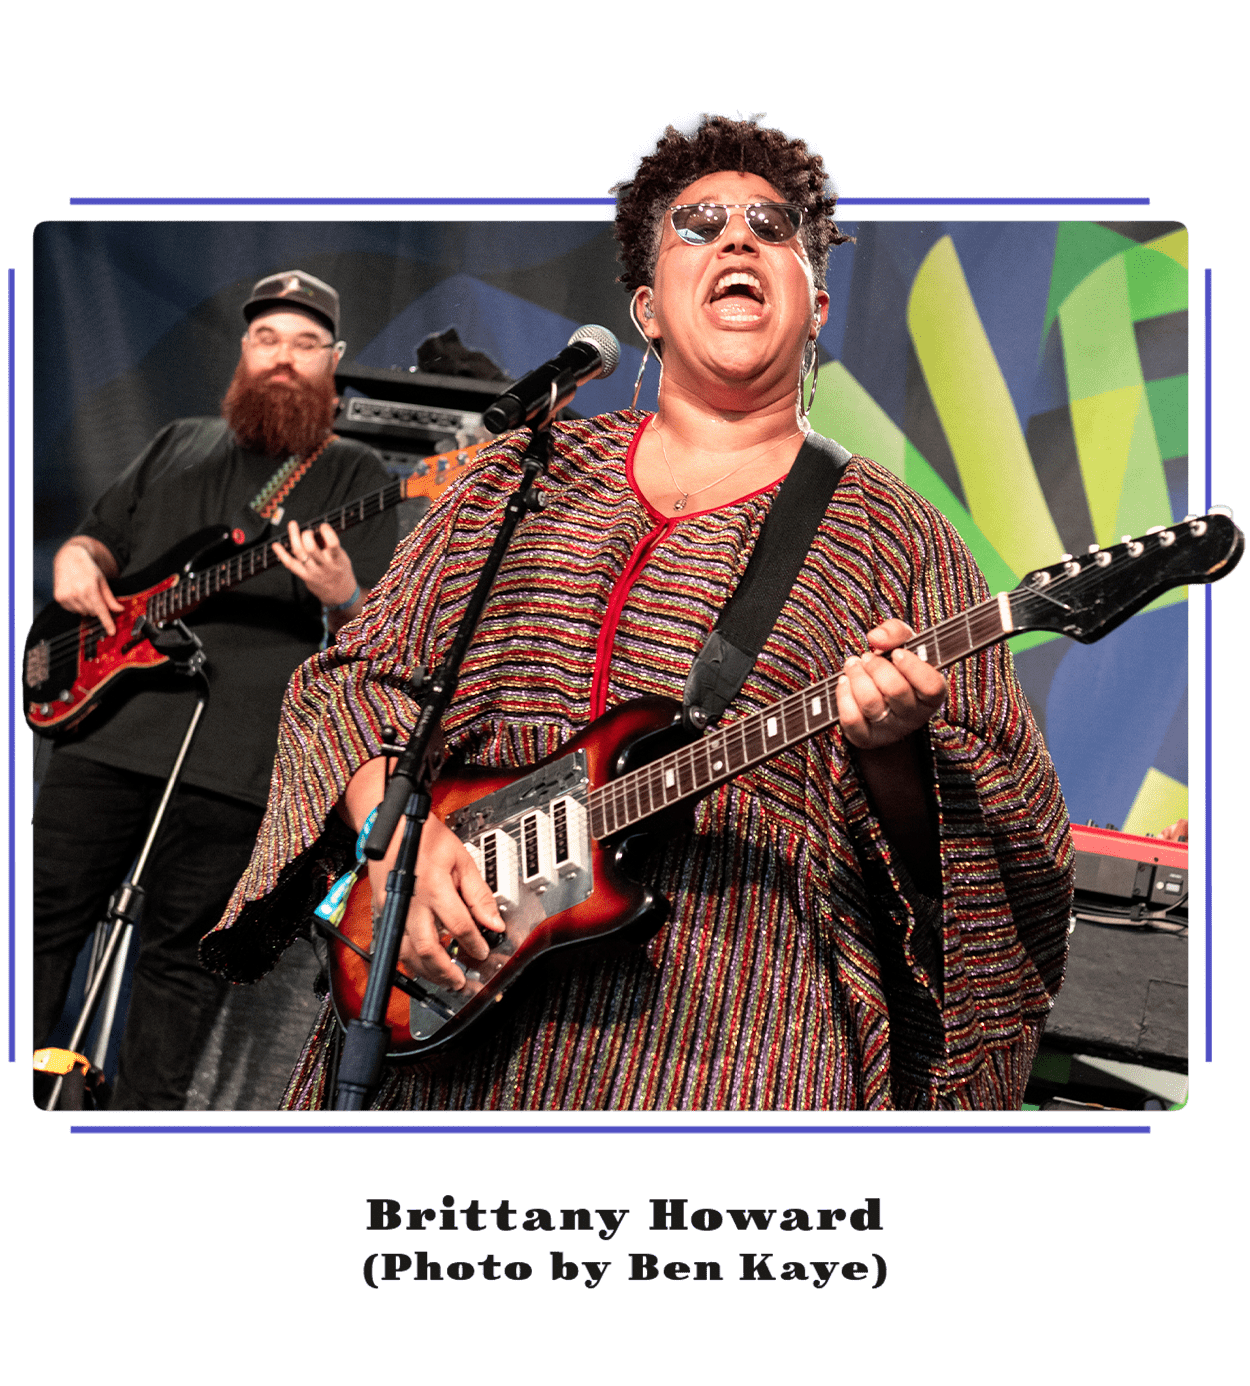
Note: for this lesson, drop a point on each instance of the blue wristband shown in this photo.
(350, 602)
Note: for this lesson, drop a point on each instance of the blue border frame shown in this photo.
(342, 202)
(612, 1129)
(12, 677)
(995, 201)
(578, 201)
(1209, 860)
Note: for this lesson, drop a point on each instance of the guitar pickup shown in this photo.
(537, 852)
(38, 664)
(570, 837)
(495, 856)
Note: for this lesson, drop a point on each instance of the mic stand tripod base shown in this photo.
(125, 904)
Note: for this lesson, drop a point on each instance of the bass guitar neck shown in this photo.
(70, 662)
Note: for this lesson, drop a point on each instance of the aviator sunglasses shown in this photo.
(701, 223)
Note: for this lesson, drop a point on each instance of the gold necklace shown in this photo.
(685, 495)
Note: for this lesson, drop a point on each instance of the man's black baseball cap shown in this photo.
(295, 291)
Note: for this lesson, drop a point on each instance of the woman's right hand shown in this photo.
(450, 898)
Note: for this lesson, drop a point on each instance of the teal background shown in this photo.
(1023, 1255)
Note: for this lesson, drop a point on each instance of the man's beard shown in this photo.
(278, 417)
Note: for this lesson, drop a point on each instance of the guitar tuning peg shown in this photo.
(1126, 538)
(1190, 516)
(1093, 548)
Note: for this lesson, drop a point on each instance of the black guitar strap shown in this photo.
(731, 649)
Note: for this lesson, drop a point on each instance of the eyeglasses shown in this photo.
(267, 343)
(701, 223)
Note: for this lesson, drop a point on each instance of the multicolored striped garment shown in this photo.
(799, 967)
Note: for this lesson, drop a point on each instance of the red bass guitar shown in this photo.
(551, 841)
(70, 662)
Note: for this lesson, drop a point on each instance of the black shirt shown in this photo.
(195, 474)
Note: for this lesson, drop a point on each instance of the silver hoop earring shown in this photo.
(650, 351)
(811, 359)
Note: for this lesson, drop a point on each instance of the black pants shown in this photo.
(90, 821)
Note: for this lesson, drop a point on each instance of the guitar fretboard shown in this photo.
(721, 754)
(257, 557)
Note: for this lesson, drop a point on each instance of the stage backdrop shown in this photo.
(1029, 378)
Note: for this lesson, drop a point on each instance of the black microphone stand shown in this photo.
(186, 654)
(408, 792)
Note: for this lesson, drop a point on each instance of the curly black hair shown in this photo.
(720, 145)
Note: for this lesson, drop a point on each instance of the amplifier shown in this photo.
(1144, 872)
(419, 387)
(411, 413)
(408, 428)
(1125, 991)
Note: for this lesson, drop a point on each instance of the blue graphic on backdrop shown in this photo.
(1134, 679)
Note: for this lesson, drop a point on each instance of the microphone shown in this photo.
(592, 352)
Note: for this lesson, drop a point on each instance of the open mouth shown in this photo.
(740, 284)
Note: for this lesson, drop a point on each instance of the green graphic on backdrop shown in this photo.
(1118, 306)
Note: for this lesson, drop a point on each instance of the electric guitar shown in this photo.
(551, 841)
(70, 662)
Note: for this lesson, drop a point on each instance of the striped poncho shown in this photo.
(799, 968)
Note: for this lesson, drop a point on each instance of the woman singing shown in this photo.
(875, 917)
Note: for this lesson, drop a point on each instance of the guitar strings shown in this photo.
(980, 625)
(197, 586)
(613, 798)
(163, 603)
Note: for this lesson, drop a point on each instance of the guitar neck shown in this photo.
(693, 770)
(257, 557)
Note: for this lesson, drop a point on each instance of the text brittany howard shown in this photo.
(667, 1215)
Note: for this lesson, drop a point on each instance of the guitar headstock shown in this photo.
(1087, 596)
(434, 474)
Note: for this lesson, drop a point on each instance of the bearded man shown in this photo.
(271, 456)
